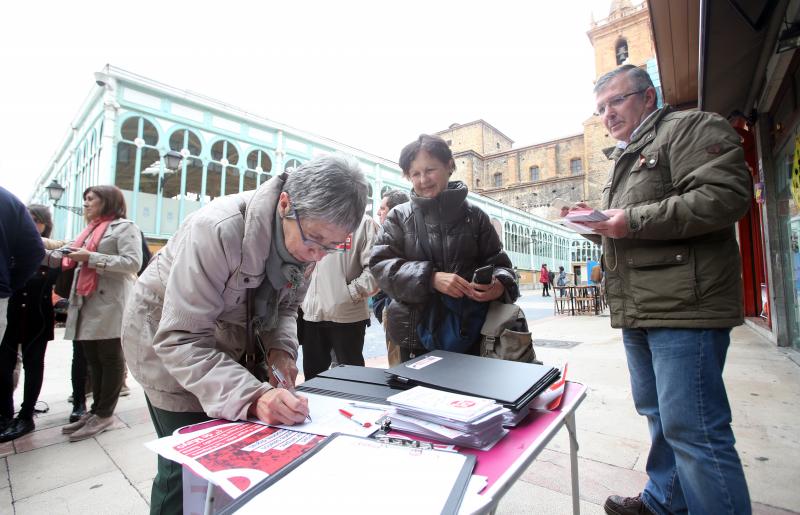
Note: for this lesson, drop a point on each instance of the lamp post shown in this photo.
(55, 191)
(172, 160)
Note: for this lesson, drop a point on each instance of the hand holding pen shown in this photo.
(283, 383)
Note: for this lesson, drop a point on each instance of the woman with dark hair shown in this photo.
(108, 253)
(30, 326)
(461, 239)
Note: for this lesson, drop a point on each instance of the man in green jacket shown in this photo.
(678, 185)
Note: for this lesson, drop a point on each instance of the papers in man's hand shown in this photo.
(448, 417)
(576, 216)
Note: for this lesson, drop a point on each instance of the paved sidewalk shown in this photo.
(44, 473)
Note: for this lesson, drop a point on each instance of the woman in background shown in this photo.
(108, 254)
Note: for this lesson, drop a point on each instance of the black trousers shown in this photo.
(320, 338)
(33, 362)
(107, 364)
(80, 371)
(166, 497)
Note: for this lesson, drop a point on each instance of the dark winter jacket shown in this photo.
(21, 247)
(683, 183)
(30, 309)
(462, 239)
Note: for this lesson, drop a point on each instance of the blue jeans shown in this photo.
(676, 379)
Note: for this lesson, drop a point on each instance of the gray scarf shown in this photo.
(283, 271)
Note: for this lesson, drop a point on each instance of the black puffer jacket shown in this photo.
(462, 239)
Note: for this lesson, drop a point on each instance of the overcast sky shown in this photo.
(369, 74)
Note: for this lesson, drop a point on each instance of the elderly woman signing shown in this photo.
(239, 260)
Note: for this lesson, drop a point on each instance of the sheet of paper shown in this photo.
(326, 418)
(355, 476)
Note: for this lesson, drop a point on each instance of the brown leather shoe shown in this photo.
(616, 505)
(71, 428)
(93, 427)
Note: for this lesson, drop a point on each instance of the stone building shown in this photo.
(572, 168)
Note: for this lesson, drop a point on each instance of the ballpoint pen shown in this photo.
(354, 419)
(285, 385)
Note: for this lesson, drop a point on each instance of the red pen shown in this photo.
(354, 419)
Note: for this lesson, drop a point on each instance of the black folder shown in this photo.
(457, 484)
(511, 383)
(342, 388)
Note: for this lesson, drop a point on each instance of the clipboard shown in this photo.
(321, 481)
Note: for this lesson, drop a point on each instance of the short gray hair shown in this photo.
(640, 79)
(330, 188)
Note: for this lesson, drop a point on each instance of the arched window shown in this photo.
(621, 51)
(138, 170)
(181, 196)
(370, 202)
(259, 166)
(291, 163)
(222, 176)
(535, 175)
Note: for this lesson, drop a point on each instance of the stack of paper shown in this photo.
(448, 417)
(574, 220)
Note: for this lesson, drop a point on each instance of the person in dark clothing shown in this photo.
(21, 252)
(380, 300)
(30, 326)
(461, 236)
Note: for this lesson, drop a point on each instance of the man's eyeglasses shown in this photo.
(308, 242)
(615, 102)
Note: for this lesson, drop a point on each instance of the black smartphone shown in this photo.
(483, 275)
(65, 250)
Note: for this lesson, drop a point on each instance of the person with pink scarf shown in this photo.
(106, 257)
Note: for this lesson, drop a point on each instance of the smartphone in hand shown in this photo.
(66, 250)
(483, 275)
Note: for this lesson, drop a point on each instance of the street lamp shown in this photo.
(55, 191)
(172, 160)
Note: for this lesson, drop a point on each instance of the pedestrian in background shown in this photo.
(380, 301)
(108, 254)
(335, 310)
(30, 327)
(544, 279)
(679, 184)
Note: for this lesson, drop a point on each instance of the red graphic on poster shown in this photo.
(245, 453)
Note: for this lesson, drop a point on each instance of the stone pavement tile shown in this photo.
(763, 509)
(5, 498)
(101, 493)
(53, 435)
(525, 498)
(41, 470)
(134, 416)
(144, 488)
(610, 449)
(6, 448)
(5, 482)
(126, 449)
(551, 470)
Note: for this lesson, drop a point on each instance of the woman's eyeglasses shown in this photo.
(308, 242)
